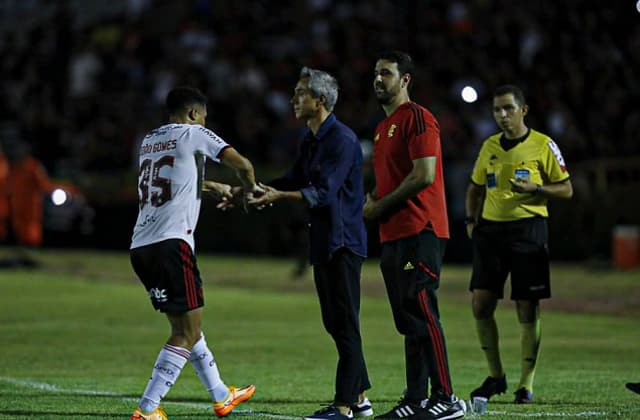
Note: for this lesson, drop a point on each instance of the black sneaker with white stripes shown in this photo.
(442, 407)
(405, 410)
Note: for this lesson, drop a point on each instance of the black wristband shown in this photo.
(538, 189)
(470, 220)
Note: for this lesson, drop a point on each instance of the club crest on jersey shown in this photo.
(391, 130)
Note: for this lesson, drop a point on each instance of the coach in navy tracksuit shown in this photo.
(327, 176)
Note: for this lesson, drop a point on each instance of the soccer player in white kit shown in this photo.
(170, 183)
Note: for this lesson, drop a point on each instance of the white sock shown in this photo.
(165, 373)
(204, 363)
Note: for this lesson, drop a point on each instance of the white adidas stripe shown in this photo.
(405, 411)
(438, 408)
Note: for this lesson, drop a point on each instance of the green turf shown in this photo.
(79, 337)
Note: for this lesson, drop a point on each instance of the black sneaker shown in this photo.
(490, 387)
(633, 386)
(523, 396)
(363, 409)
(405, 410)
(331, 412)
(442, 407)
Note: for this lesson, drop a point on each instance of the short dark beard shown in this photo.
(385, 98)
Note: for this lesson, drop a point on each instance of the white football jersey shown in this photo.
(170, 176)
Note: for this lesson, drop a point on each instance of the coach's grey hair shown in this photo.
(321, 83)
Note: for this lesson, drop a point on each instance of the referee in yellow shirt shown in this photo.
(516, 172)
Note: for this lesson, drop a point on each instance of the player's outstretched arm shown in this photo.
(244, 170)
(243, 167)
(270, 195)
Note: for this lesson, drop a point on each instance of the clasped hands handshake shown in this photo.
(257, 195)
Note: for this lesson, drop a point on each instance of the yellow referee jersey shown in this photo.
(537, 158)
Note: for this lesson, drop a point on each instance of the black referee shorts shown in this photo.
(519, 248)
(169, 272)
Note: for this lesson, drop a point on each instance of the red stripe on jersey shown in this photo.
(421, 125)
(222, 151)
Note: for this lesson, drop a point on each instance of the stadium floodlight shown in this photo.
(469, 94)
(59, 196)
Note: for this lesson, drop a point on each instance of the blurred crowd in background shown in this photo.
(83, 80)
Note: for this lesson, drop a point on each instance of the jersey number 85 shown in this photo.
(149, 177)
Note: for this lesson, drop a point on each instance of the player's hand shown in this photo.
(231, 202)
(520, 185)
(372, 209)
(470, 227)
(251, 193)
(266, 198)
(217, 189)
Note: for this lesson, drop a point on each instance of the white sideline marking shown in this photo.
(55, 388)
(544, 414)
(204, 407)
(247, 412)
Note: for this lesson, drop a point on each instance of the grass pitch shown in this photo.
(79, 339)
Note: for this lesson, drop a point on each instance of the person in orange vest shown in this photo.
(27, 182)
(4, 198)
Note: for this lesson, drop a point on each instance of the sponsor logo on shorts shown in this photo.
(158, 295)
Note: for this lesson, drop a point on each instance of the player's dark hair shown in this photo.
(517, 93)
(404, 61)
(181, 98)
